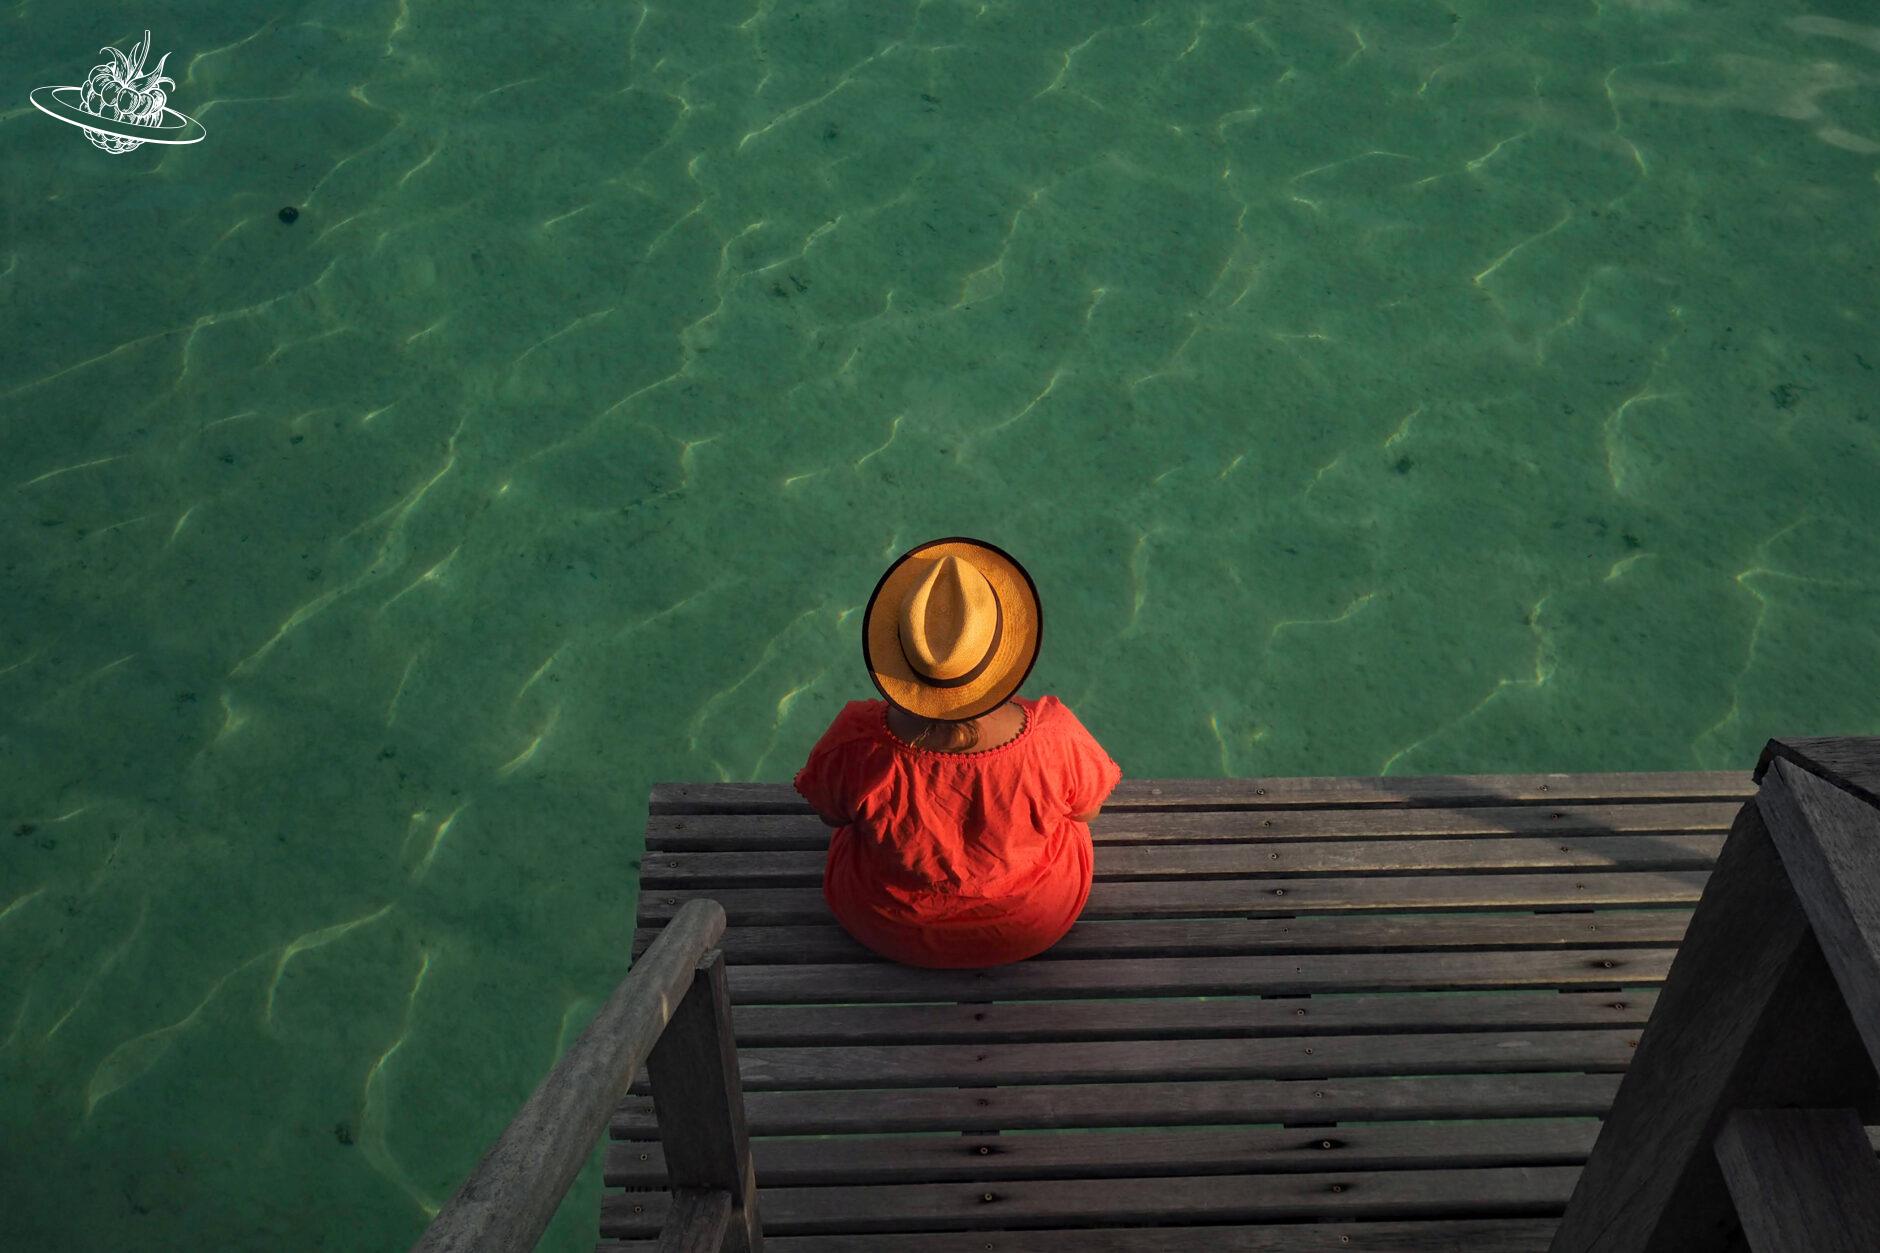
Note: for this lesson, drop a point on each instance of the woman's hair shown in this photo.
(949, 737)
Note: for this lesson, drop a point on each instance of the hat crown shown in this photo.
(947, 619)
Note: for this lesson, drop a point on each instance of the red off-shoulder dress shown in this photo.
(957, 859)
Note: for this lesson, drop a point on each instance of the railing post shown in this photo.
(514, 1190)
(699, 1103)
(1828, 833)
(1766, 1005)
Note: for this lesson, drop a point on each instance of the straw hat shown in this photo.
(952, 629)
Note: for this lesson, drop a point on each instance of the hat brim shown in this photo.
(1020, 633)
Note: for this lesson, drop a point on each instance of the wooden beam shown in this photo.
(1172, 1018)
(1266, 974)
(1113, 1061)
(1508, 1191)
(1442, 1235)
(773, 831)
(508, 1199)
(696, 1221)
(1234, 1102)
(1830, 845)
(1724, 1034)
(1269, 793)
(699, 1104)
(1802, 1179)
(1210, 859)
(1230, 937)
(1849, 762)
(1260, 897)
(1718, 990)
(1108, 1154)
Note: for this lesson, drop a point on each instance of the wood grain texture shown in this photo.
(1262, 897)
(1352, 792)
(1232, 937)
(1231, 967)
(801, 830)
(696, 1221)
(1849, 762)
(1801, 1179)
(1104, 1153)
(1749, 1014)
(1446, 1235)
(1264, 975)
(1172, 1018)
(1031, 1107)
(1507, 1191)
(1109, 1061)
(694, 1074)
(748, 868)
(514, 1190)
(1829, 840)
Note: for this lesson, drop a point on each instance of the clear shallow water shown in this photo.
(1369, 389)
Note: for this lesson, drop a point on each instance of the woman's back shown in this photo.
(972, 858)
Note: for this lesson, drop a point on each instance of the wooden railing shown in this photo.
(1740, 1115)
(671, 1013)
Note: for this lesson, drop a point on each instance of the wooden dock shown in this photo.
(1581, 1014)
(1238, 963)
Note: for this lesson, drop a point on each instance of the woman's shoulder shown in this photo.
(863, 717)
(1057, 711)
(1045, 709)
(1070, 728)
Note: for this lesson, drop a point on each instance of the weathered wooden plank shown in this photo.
(1848, 762)
(1506, 1191)
(1031, 1107)
(696, 1221)
(1442, 1235)
(694, 1070)
(1264, 897)
(1323, 791)
(514, 1190)
(1802, 1179)
(1172, 1017)
(1829, 841)
(1299, 974)
(1110, 1154)
(1723, 1035)
(749, 868)
(1299, 1057)
(804, 830)
(1359, 933)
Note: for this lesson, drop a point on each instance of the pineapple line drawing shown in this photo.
(121, 105)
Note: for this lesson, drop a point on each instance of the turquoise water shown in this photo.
(1369, 388)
